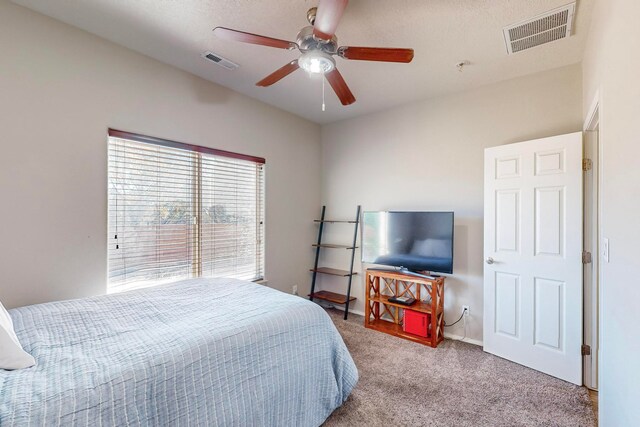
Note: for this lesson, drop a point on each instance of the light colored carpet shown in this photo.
(408, 384)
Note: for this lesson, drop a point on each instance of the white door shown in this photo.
(533, 254)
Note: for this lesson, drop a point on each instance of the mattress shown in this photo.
(201, 352)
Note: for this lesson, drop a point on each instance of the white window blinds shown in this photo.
(178, 211)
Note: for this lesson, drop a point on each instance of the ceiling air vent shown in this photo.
(548, 27)
(217, 59)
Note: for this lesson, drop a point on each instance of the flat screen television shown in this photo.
(412, 241)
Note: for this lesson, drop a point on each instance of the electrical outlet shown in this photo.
(294, 290)
(465, 310)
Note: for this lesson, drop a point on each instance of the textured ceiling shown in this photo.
(442, 32)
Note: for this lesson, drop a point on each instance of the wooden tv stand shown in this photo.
(429, 293)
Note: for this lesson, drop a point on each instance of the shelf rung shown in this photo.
(333, 271)
(332, 246)
(395, 329)
(331, 297)
(422, 307)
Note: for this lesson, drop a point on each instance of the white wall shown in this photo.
(60, 89)
(612, 68)
(429, 156)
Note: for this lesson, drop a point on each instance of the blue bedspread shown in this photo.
(201, 352)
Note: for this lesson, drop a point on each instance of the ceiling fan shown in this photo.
(318, 44)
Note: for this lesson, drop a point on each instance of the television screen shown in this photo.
(416, 241)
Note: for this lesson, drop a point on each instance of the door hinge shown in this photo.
(587, 165)
(586, 350)
(586, 257)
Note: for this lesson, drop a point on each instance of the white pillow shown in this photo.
(12, 356)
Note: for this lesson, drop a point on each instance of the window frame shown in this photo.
(197, 260)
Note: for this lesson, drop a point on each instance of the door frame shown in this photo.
(592, 283)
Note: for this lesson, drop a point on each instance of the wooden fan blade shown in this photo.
(383, 54)
(241, 36)
(340, 87)
(279, 74)
(327, 18)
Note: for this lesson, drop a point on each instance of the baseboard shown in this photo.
(359, 313)
(459, 338)
(341, 308)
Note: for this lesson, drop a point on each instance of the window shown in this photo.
(178, 211)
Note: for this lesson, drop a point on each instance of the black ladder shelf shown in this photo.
(326, 295)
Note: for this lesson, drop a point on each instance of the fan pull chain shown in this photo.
(323, 106)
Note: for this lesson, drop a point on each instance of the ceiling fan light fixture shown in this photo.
(317, 62)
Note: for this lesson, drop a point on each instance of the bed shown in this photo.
(205, 352)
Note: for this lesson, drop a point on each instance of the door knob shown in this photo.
(489, 260)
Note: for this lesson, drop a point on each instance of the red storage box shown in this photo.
(417, 323)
